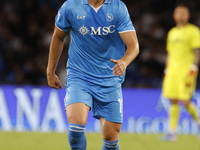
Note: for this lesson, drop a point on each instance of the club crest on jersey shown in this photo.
(109, 17)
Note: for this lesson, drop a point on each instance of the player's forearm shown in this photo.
(131, 53)
(54, 53)
(196, 57)
(131, 41)
(166, 61)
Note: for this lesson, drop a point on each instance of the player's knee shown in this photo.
(76, 137)
(76, 119)
(186, 103)
(110, 145)
(112, 136)
(174, 101)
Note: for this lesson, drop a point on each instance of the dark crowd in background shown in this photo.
(26, 28)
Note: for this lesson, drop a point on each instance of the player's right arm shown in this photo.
(165, 70)
(166, 59)
(55, 51)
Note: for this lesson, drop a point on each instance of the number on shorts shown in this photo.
(121, 105)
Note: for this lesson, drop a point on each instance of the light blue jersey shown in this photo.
(94, 35)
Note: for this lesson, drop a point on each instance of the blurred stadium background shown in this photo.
(26, 28)
(27, 104)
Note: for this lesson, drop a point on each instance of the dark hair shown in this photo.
(183, 4)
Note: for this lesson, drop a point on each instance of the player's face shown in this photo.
(181, 15)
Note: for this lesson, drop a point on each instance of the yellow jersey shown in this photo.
(180, 45)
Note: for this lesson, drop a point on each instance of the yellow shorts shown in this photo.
(174, 87)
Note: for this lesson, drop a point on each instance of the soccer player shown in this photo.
(99, 31)
(183, 45)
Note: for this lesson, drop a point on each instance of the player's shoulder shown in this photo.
(71, 3)
(172, 30)
(117, 3)
(120, 3)
(118, 7)
(192, 27)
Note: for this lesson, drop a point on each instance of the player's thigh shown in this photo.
(171, 86)
(110, 130)
(77, 103)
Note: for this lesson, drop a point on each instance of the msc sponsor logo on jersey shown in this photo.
(99, 31)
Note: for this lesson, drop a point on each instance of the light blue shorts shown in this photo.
(106, 102)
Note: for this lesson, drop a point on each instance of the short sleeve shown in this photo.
(195, 40)
(62, 18)
(124, 22)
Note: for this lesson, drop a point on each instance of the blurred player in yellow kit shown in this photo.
(183, 45)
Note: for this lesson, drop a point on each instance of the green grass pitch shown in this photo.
(58, 141)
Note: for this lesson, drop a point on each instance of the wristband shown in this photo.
(165, 71)
(193, 69)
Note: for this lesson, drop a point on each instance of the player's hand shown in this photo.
(53, 81)
(190, 79)
(165, 73)
(119, 68)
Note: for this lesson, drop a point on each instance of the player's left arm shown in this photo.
(195, 46)
(196, 56)
(131, 41)
(193, 68)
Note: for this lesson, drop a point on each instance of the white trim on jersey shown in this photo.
(126, 31)
(59, 28)
(96, 9)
